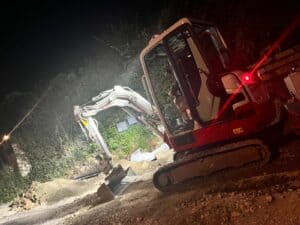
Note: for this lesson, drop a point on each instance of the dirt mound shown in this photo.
(28, 200)
(60, 189)
(54, 191)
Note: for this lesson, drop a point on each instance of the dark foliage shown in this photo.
(50, 134)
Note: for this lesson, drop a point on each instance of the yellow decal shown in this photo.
(238, 130)
(84, 122)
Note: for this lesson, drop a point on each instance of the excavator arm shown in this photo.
(123, 97)
(120, 97)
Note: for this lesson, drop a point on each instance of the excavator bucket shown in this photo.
(117, 181)
(115, 177)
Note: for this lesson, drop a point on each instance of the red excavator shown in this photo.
(216, 117)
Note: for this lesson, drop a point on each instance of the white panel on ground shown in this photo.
(122, 126)
(131, 120)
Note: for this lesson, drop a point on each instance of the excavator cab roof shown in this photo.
(159, 37)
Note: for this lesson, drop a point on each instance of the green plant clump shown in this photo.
(12, 184)
(124, 143)
(44, 169)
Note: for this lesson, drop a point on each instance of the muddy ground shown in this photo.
(267, 196)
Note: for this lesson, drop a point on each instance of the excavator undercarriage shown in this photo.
(212, 161)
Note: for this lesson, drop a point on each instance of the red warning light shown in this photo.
(247, 78)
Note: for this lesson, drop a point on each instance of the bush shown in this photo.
(12, 184)
(44, 169)
(124, 143)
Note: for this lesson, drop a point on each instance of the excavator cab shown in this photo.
(182, 68)
(201, 104)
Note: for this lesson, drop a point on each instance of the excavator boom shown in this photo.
(122, 97)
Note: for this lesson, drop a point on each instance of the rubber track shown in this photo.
(211, 152)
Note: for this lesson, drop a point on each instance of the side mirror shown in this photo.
(233, 86)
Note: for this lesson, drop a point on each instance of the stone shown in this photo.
(27, 204)
(22, 160)
(269, 198)
(139, 219)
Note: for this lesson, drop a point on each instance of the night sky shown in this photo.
(42, 38)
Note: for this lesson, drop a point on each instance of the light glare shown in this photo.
(6, 137)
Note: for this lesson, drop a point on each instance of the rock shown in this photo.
(251, 209)
(26, 201)
(235, 214)
(22, 161)
(269, 198)
(246, 203)
(27, 204)
(139, 219)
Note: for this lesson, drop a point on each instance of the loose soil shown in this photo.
(269, 196)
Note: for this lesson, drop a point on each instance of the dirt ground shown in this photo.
(271, 196)
(277, 202)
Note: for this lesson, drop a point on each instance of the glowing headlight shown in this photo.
(6, 137)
